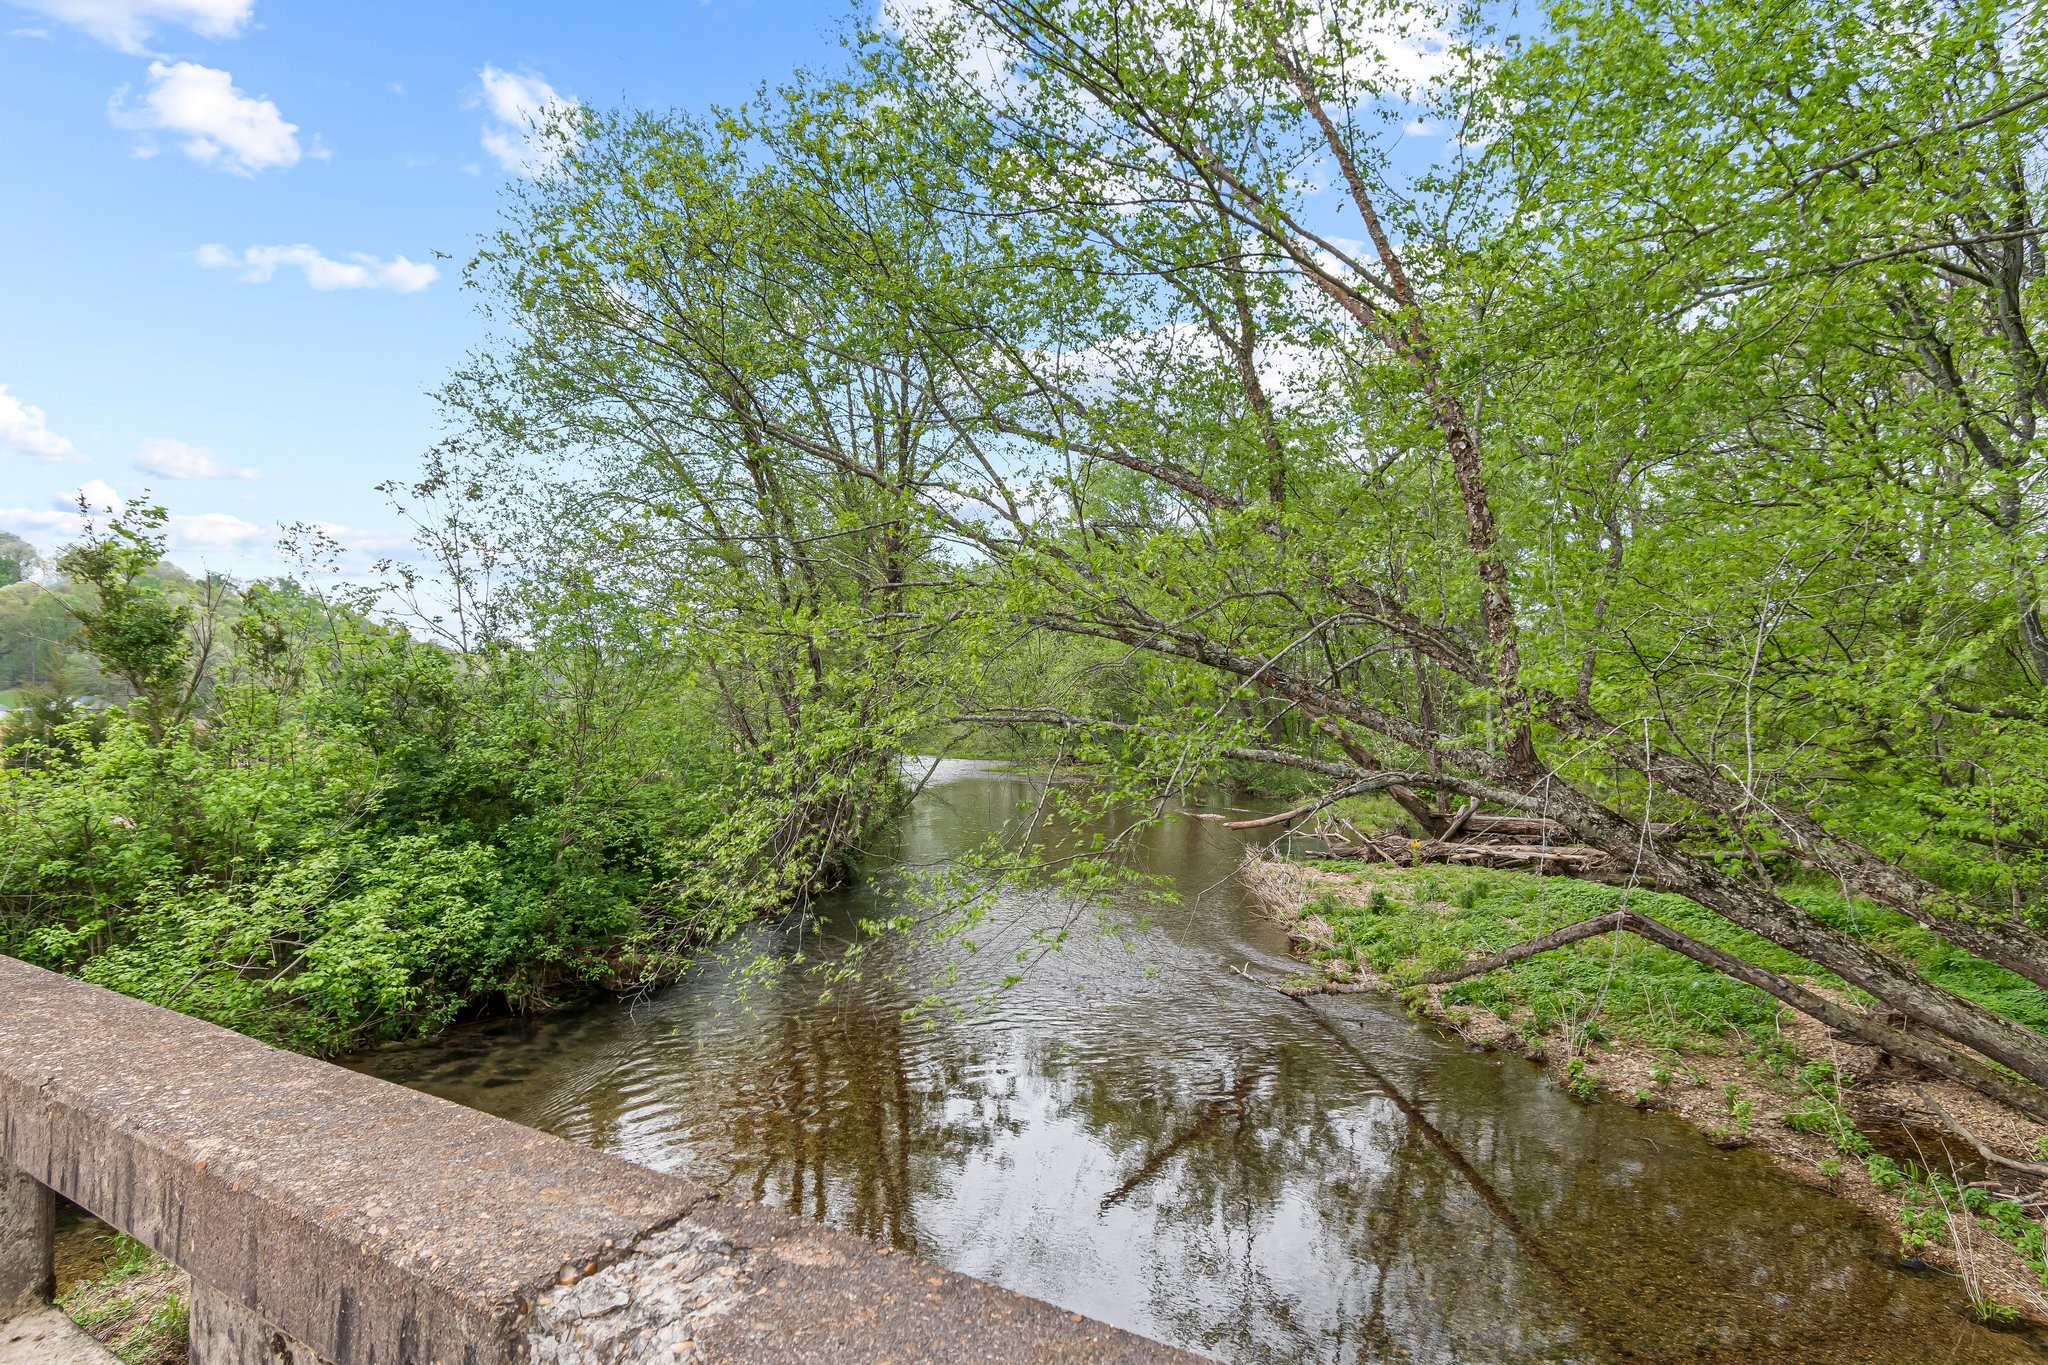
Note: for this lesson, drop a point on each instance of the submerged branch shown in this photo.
(1983, 1149)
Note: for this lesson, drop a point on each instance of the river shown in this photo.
(1146, 1134)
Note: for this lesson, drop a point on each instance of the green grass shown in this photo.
(131, 1307)
(1433, 918)
(1409, 922)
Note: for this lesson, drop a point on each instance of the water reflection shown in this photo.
(1190, 1155)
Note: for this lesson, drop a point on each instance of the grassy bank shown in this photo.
(1622, 1017)
(129, 1299)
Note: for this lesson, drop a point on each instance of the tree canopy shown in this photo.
(1660, 461)
(1623, 421)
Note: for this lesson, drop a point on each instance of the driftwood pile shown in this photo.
(1466, 838)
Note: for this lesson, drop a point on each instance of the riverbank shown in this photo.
(125, 1296)
(1621, 1018)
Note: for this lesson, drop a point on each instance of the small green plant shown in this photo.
(1432, 890)
(1774, 1052)
(1740, 1112)
(1920, 1227)
(129, 1306)
(1579, 1082)
(1472, 895)
(130, 1257)
(1377, 902)
(1660, 1073)
(1643, 1098)
(1831, 1169)
(172, 1322)
(1821, 1109)
(1884, 1172)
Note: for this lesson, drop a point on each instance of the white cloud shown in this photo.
(221, 126)
(1417, 127)
(188, 532)
(360, 541)
(28, 33)
(98, 495)
(29, 522)
(194, 539)
(127, 24)
(212, 531)
(25, 430)
(174, 459)
(524, 135)
(259, 264)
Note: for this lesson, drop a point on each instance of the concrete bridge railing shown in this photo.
(327, 1216)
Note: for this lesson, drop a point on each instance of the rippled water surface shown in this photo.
(1187, 1154)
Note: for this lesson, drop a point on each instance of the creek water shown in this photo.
(1150, 1136)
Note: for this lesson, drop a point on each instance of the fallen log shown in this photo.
(1518, 824)
(1984, 1149)
(1532, 827)
(1570, 858)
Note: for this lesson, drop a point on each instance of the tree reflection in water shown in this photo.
(1196, 1158)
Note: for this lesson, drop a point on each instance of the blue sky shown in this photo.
(181, 175)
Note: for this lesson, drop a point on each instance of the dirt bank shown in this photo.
(1890, 1126)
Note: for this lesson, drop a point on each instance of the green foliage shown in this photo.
(136, 632)
(1741, 1112)
(1056, 398)
(364, 835)
(1822, 1110)
(1931, 1203)
(1622, 984)
(18, 559)
(36, 630)
(130, 1306)
(1682, 462)
(1631, 987)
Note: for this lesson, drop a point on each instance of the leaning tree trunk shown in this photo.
(1760, 911)
(1928, 1052)
(1999, 938)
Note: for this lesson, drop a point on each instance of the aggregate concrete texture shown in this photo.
(47, 1337)
(370, 1223)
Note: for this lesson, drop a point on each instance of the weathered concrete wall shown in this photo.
(369, 1223)
(27, 1229)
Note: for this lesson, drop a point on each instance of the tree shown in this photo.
(159, 648)
(717, 483)
(18, 559)
(1519, 423)
(1658, 469)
